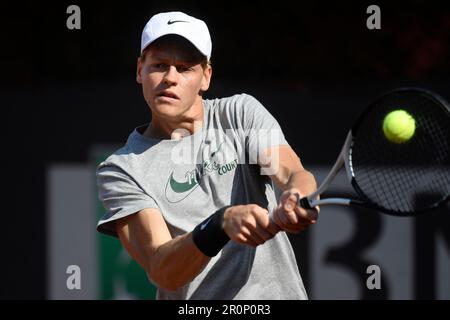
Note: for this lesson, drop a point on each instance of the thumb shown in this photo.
(290, 200)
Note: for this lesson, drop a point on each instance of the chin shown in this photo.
(166, 110)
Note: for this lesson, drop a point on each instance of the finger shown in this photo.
(287, 216)
(290, 192)
(263, 223)
(293, 195)
(252, 234)
(262, 217)
(245, 240)
(295, 229)
(290, 202)
(308, 214)
(301, 225)
(263, 233)
(282, 219)
(292, 217)
(267, 222)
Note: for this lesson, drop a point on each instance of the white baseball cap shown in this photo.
(181, 24)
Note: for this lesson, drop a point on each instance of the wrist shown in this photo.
(209, 235)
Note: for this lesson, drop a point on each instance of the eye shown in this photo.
(182, 69)
(159, 65)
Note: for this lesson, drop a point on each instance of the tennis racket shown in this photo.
(401, 179)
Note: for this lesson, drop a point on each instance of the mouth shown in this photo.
(167, 94)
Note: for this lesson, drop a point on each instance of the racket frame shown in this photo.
(344, 159)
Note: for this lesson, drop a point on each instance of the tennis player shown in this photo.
(189, 194)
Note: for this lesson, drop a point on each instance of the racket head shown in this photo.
(401, 179)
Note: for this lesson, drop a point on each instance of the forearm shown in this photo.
(302, 180)
(290, 172)
(183, 258)
(169, 262)
(177, 262)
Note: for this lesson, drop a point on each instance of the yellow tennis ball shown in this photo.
(399, 126)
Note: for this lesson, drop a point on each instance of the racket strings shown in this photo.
(406, 177)
(439, 136)
(435, 131)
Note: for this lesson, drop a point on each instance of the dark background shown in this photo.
(314, 65)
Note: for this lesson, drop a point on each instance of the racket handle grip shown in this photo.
(304, 203)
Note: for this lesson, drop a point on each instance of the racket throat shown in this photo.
(310, 203)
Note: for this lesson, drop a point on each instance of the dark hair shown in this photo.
(198, 56)
(204, 62)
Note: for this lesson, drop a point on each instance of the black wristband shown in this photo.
(209, 236)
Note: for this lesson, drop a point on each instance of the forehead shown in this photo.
(173, 47)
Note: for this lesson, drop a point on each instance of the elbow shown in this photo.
(163, 279)
(164, 282)
(171, 286)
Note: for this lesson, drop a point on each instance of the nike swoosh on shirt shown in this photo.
(175, 21)
(182, 190)
(180, 187)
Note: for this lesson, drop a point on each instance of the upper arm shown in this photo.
(121, 196)
(261, 129)
(142, 233)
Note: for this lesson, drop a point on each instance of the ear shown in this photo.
(138, 70)
(206, 79)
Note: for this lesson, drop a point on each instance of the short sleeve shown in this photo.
(262, 129)
(120, 195)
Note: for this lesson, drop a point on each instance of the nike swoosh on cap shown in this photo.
(175, 21)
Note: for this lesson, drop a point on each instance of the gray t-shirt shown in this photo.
(189, 179)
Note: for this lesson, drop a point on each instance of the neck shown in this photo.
(186, 124)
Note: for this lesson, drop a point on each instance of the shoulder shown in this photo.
(117, 161)
(131, 155)
(238, 105)
(118, 155)
(237, 100)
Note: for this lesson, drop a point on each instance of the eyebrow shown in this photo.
(187, 60)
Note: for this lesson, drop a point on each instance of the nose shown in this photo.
(171, 76)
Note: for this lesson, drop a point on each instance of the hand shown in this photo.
(290, 217)
(249, 224)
